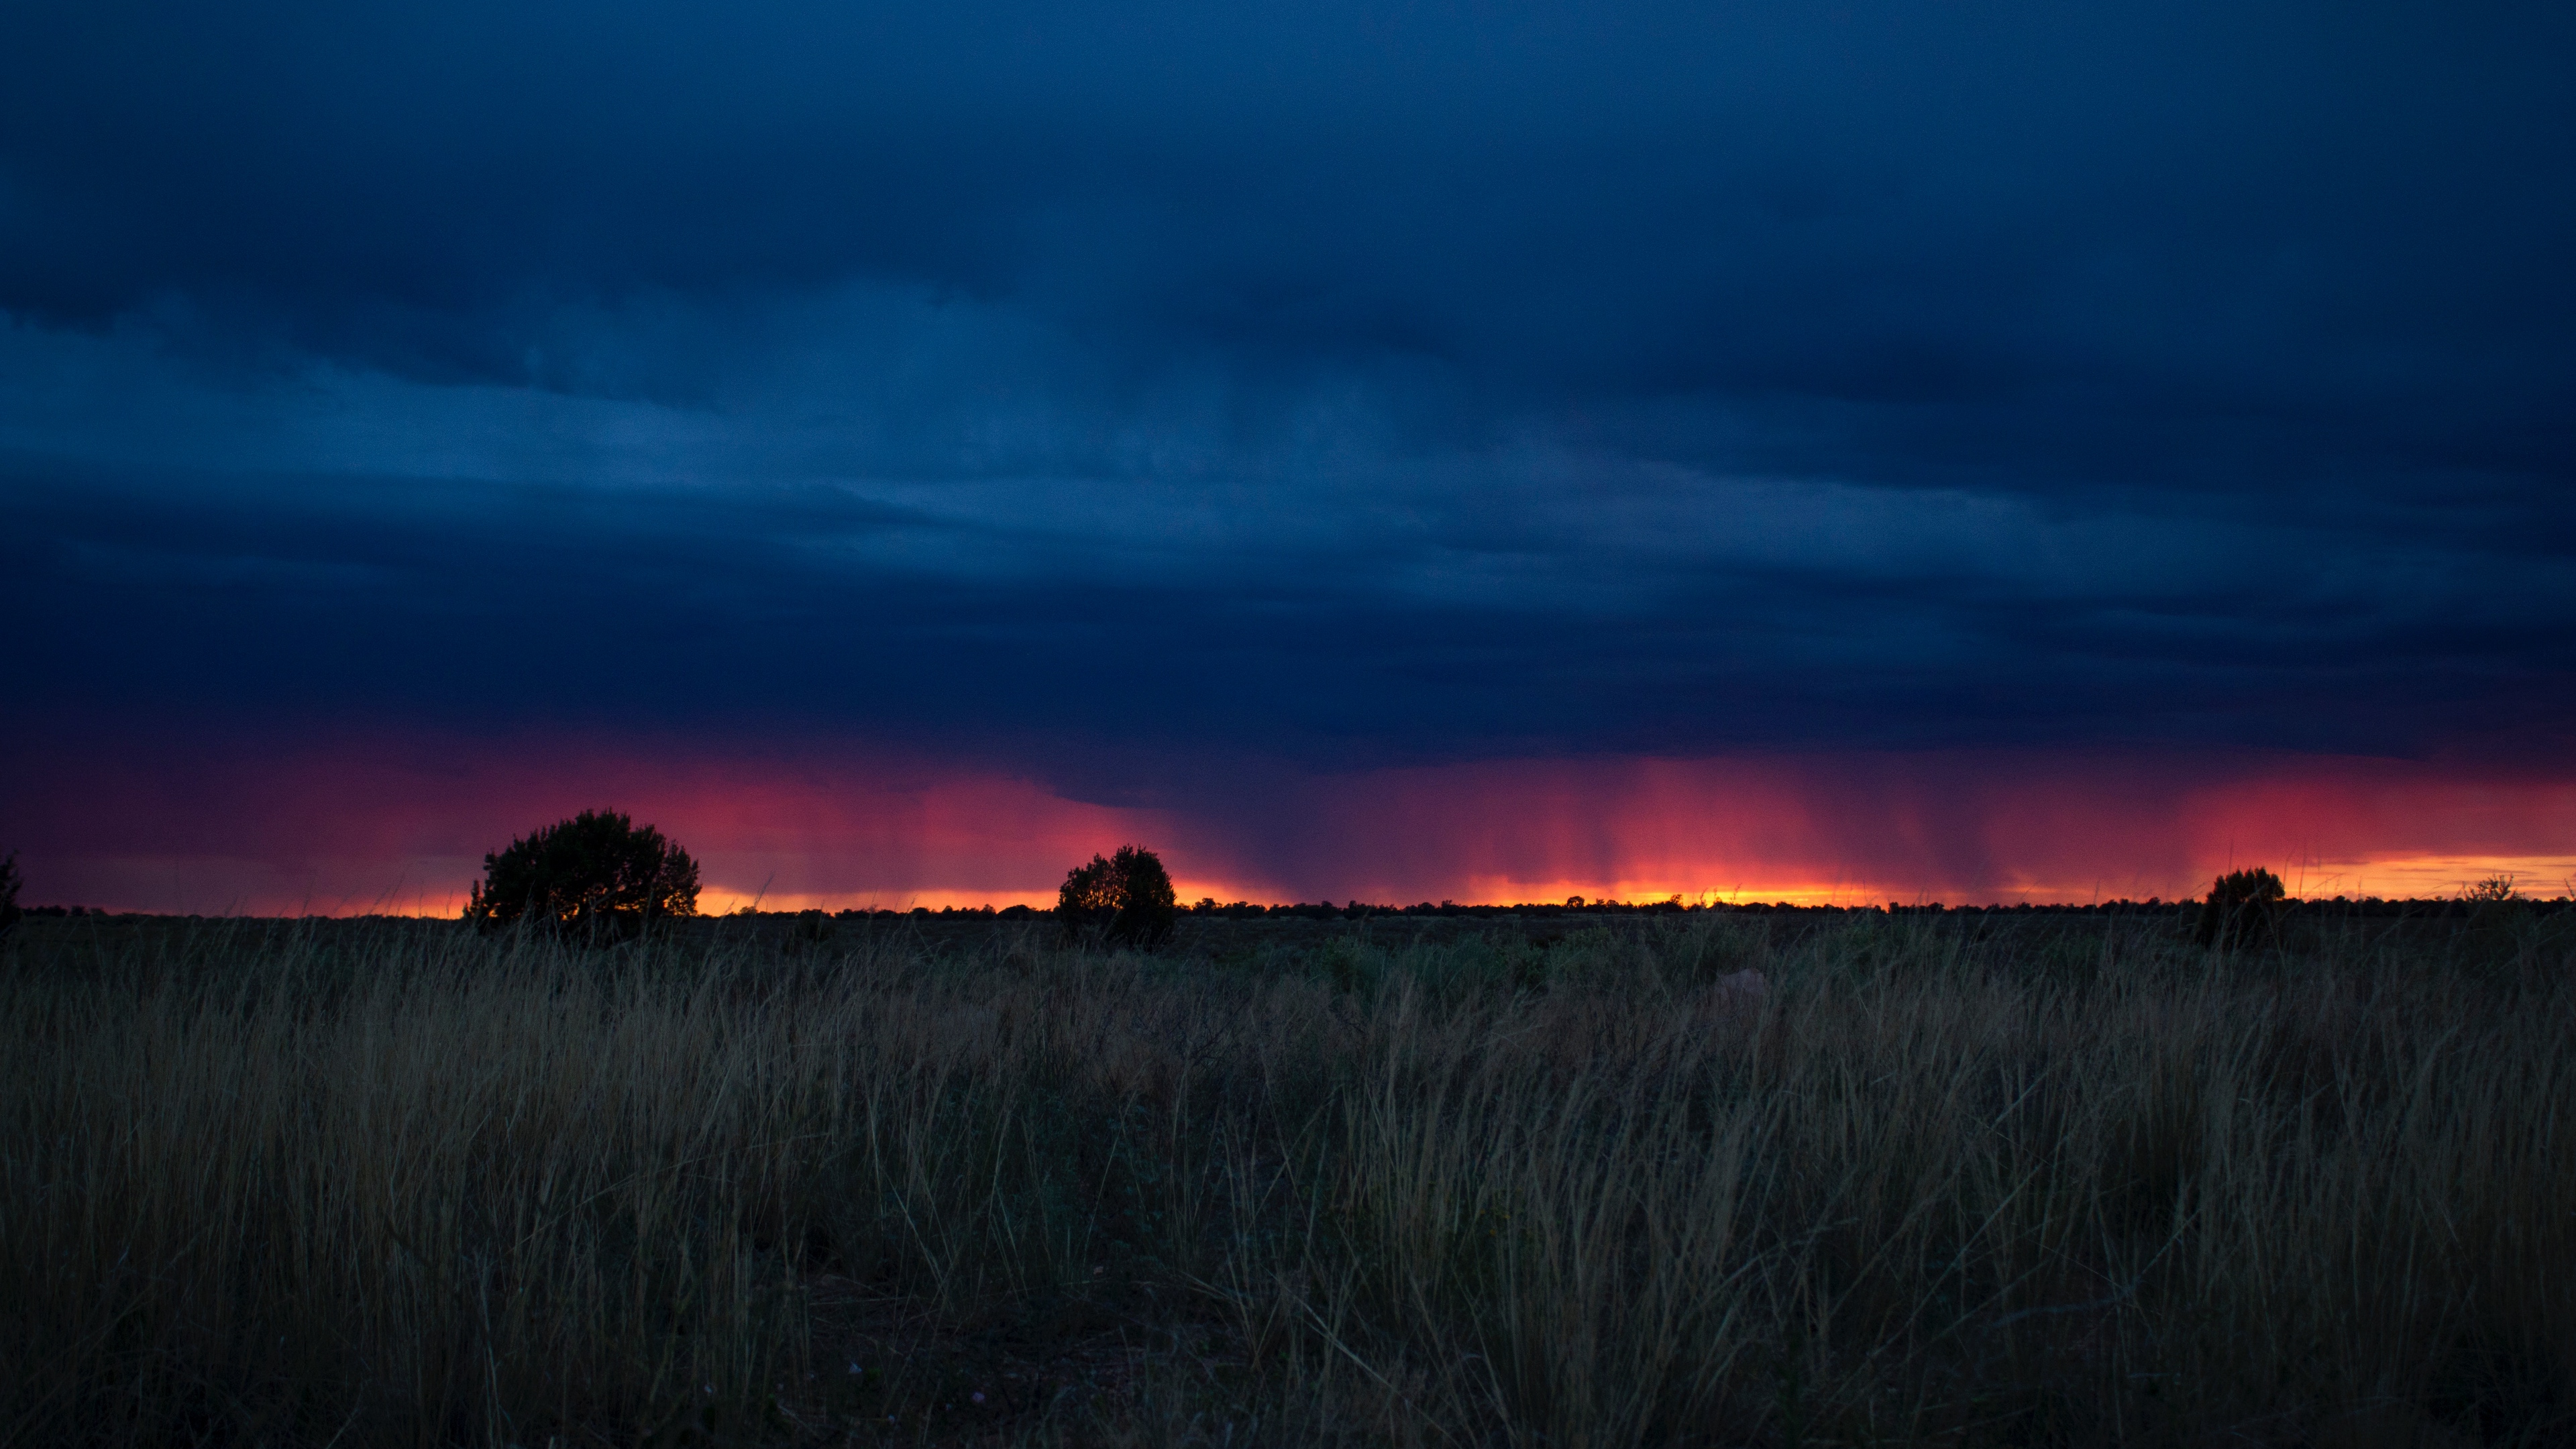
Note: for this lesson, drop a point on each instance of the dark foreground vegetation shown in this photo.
(1997, 1178)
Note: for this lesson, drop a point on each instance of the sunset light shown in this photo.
(1625, 723)
(331, 832)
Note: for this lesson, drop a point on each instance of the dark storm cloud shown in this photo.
(1897, 204)
(1341, 384)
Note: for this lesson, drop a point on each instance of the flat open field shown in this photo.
(1951, 1178)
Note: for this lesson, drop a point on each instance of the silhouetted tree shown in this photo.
(1126, 898)
(2244, 907)
(9, 883)
(595, 876)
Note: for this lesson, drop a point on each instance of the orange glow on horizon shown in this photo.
(2399, 878)
(400, 828)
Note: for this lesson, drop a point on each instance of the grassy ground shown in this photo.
(1994, 1179)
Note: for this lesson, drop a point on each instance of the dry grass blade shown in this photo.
(1948, 1179)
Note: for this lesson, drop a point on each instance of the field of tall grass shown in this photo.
(1952, 1179)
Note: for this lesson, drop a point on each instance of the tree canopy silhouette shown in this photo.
(595, 875)
(9, 882)
(1126, 898)
(2244, 907)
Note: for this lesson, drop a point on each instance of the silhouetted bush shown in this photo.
(595, 876)
(2244, 908)
(9, 882)
(1126, 899)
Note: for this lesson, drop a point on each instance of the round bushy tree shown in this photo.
(596, 876)
(2244, 907)
(1126, 898)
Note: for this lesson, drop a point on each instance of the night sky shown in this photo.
(1404, 451)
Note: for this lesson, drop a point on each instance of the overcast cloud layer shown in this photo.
(1139, 398)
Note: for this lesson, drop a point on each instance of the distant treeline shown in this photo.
(1360, 910)
(1546, 911)
(2338, 906)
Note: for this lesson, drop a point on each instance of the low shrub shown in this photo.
(2494, 890)
(2244, 908)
